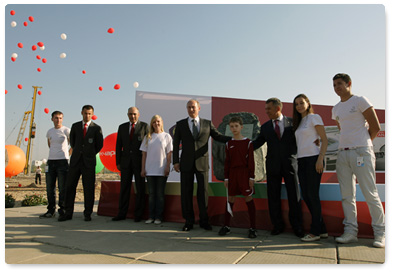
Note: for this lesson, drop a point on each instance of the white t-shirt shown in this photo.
(157, 149)
(59, 145)
(306, 134)
(353, 126)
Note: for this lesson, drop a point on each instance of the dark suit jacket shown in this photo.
(126, 151)
(280, 153)
(194, 152)
(86, 147)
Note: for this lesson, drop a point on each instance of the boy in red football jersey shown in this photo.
(239, 174)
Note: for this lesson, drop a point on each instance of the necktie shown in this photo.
(85, 128)
(195, 132)
(277, 129)
(131, 132)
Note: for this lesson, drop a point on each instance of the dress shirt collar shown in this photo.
(89, 123)
(280, 118)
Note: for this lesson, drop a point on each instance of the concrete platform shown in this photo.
(30, 240)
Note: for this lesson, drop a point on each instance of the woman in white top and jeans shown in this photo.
(157, 147)
(308, 129)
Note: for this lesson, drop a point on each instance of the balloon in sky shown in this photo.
(136, 84)
(12, 12)
(107, 153)
(100, 88)
(16, 160)
(25, 24)
(13, 59)
(46, 110)
(39, 70)
(99, 165)
(94, 117)
(117, 86)
(31, 18)
(39, 92)
(44, 60)
(6, 91)
(38, 57)
(13, 24)
(63, 36)
(62, 55)
(42, 47)
(83, 72)
(14, 55)
(110, 30)
(20, 45)
(20, 86)
(34, 47)
(40, 44)
(26, 139)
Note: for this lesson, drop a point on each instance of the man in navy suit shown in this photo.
(86, 140)
(281, 162)
(194, 133)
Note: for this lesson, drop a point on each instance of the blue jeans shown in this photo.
(56, 169)
(156, 189)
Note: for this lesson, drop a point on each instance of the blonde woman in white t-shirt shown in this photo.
(157, 148)
(309, 128)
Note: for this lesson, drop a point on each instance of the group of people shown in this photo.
(295, 153)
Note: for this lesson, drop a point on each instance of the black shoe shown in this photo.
(87, 218)
(276, 231)
(187, 227)
(225, 230)
(64, 217)
(47, 215)
(206, 226)
(118, 218)
(252, 233)
(61, 212)
(299, 233)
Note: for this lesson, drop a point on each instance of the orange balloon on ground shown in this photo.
(16, 160)
(107, 153)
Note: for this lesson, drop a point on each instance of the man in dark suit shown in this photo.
(128, 159)
(86, 140)
(193, 133)
(281, 163)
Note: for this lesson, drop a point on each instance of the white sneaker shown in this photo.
(310, 238)
(379, 241)
(324, 235)
(347, 238)
(157, 222)
(149, 221)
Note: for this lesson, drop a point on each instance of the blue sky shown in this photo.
(239, 51)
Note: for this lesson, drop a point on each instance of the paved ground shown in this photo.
(30, 240)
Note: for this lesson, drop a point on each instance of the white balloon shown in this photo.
(136, 84)
(62, 55)
(63, 36)
(13, 24)
(42, 48)
(14, 55)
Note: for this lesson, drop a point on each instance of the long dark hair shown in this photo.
(297, 117)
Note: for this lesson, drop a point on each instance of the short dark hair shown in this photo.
(276, 102)
(88, 107)
(236, 119)
(54, 113)
(346, 78)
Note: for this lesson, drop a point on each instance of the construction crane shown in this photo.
(32, 130)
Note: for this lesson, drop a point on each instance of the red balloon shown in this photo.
(16, 160)
(40, 44)
(13, 59)
(100, 88)
(26, 139)
(25, 24)
(39, 70)
(107, 153)
(20, 45)
(110, 30)
(39, 93)
(12, 12)
(117, 86)
(34, 47)
(38, 57)
(46, 110)
(20, 86)
(44, 60)
(83, 71)
(94, 117)
(6, 92)
(31, 18)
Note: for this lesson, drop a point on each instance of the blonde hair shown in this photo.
(151, 127)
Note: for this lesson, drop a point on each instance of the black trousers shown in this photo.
(88, 182)
(187, 185)
(310, 182)
(126, 186)
(294, 201)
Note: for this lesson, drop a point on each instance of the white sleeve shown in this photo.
(144, 146)
(316, 120)
(363, 104)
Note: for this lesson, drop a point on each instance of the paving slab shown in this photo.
(361, 252)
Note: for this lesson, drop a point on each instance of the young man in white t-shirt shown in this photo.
(358, 125)
(57, 164)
